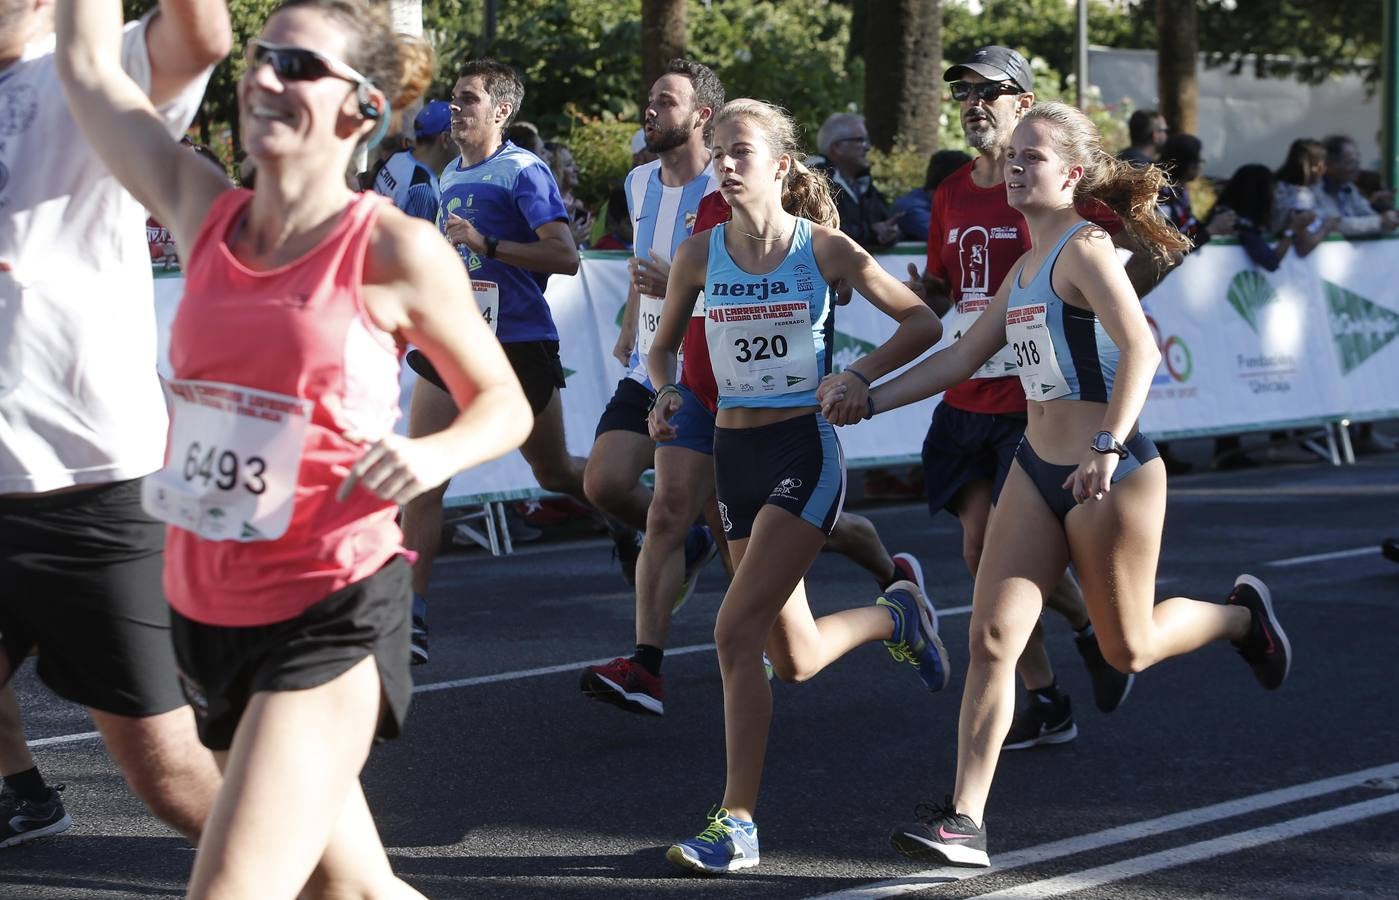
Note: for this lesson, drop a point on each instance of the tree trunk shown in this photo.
(903, 59)
(1177, 59)
(663, 26)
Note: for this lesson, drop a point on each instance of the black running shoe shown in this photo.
(25, 820)
(418, 640)
(942, 835)
(1266, 649)
(1040, 724)
(1110, 687)
(626, 550)
(1390, 549)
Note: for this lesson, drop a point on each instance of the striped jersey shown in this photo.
(410, 184)
(661, 218)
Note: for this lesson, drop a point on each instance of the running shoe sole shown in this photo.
(609, 691)
(912, 562)
(922, 850)
(58, 827)
(1267, 598)
(678, 857)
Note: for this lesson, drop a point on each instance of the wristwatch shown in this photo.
(490, 247)
(1104, 442)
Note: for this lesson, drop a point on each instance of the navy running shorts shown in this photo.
(694, 425)
(221, 667)
(80, 583)
(1049, 477)
(962, 447)
(796, 464)
(536, 364)
(627, 410)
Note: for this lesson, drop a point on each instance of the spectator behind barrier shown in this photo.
(1182, 160)
(1147, 130)
(525, 136)
(1249, 195)
(1338, 197)
(565, 169)
(864, 213)
(618, 233)
(916, 207)
(1297, 183)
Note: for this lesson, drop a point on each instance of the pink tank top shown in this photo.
(300, 331)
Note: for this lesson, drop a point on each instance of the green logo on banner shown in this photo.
(846, 350)
(568, 373)
(1361, 328)
(1249, 293)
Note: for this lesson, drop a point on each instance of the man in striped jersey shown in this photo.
(409, 177)
(663, 199)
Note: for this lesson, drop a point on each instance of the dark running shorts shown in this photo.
(1049, 477)
(221, 667)
(536, 364)
(796, 464)
(962, 447)
(80, 582)
(627, 410)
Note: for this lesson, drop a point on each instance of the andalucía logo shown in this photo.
(846, 349)
(1360, 327)
(1175, 356)
(1249, 294)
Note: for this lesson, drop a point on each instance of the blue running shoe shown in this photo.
(700, 548)
(915, 639)
(726, 845)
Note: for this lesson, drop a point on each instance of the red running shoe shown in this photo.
(625, 683)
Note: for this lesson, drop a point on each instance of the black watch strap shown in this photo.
(490, 247)
(1104, 442)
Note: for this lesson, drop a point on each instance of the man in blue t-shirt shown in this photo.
(502, 211)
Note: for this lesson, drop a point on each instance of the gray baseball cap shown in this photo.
(998, 64)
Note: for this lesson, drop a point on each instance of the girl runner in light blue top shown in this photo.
(779, 469)
(1086, 486)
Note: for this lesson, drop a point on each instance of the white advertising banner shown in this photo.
(1242, 349)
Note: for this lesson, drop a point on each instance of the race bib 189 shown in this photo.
(233, 459)
(1027, 333)
(648, 322)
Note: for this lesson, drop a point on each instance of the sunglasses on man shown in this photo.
(985, 91)
(299, 64)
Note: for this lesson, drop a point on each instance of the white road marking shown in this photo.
(65, 739)
(1121, 834)
(1323, 557)
(1180, 856)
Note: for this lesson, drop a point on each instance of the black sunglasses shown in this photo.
(299, 64)
(985, 91)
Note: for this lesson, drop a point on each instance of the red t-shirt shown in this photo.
(974, 237)
(697, 374)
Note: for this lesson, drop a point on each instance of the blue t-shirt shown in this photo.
(507, 196)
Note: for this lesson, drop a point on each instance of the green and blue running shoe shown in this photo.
(726, 845)
(915, 639)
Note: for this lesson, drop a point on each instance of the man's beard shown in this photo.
(668, 139)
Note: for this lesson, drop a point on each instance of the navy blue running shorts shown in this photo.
(221, 667)
(694, 425)
(796, 464)
(627, 410)
(962, 447)
(536, 364)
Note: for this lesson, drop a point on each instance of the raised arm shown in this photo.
(842, 259)
(184, 40)
(120, 122)
(417, 290)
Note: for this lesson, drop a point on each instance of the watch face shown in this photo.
(1102, 442)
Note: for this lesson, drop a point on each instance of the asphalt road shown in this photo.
(509, 783)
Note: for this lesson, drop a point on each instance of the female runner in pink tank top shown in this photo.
(283, 475)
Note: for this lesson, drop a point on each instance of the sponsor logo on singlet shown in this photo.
(974, 253)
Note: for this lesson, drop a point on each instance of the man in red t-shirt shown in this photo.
(974, 239)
